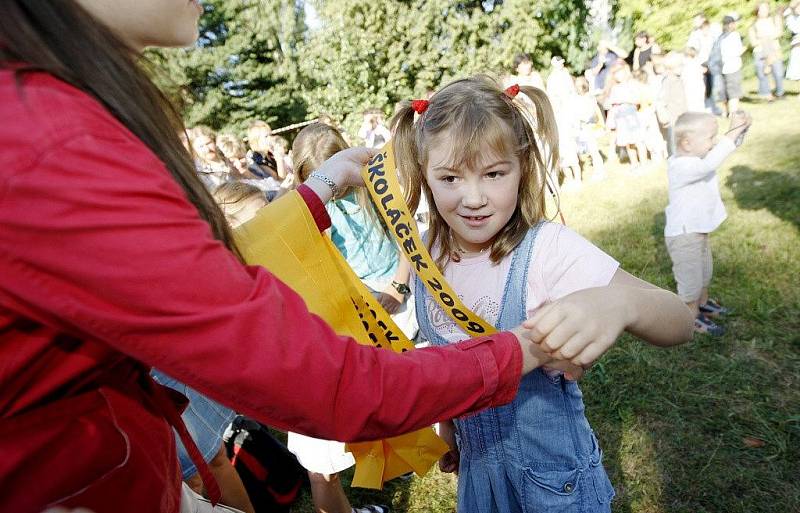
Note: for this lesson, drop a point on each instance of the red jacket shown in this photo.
(106, 269)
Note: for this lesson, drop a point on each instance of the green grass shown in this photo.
(674, 424)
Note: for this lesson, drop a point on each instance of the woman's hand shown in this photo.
(449, 461)
(343, 169)
(570, 370)
(532, 355)
(580, 327)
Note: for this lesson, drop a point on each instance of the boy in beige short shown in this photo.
(695, 208)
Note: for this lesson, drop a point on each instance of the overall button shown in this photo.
(569, 487)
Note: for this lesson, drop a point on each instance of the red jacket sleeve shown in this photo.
(315, 206)
(97, 239)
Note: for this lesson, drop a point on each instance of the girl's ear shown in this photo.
(684, 144)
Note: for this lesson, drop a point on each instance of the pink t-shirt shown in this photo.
(563, 262)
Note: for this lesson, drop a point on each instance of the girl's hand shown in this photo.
(391, 300)
(580, 327)
(449, 462)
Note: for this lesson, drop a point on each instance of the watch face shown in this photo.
(401, 287)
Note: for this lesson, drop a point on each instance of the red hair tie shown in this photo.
(420, 106)
(512, 91)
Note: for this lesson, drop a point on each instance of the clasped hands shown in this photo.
(570, 334)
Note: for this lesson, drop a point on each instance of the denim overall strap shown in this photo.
(538, 452)
(513, 310)
(479, 434)
(420, 295)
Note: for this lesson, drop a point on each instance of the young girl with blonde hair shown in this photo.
(475, 151)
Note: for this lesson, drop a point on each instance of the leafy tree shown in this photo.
(544, 29)
(245, 65)
(363, 54)
(347, 63)
(377, 53)
(671, 21)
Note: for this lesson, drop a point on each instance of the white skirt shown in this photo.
(320, 456)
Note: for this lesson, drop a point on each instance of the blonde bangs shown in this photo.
(476, 132)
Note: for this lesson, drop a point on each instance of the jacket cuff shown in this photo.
(500, 360)
(315, 206)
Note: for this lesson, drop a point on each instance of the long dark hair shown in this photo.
(62, 39)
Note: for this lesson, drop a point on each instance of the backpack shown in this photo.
(271, 474)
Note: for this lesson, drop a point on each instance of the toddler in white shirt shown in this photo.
(695, 208)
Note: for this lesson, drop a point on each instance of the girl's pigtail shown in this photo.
(406, 155)
(543, 121)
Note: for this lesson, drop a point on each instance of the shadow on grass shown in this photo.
(776, 191)
(693, 428)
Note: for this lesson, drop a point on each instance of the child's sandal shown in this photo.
(372, 508)
(713, 309)
(703, 324)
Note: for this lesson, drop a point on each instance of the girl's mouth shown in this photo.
(475, 221)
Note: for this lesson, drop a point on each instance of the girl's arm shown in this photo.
(654, 315)
(390, 298)
(582, 326)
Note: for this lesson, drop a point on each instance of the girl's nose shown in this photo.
(474, 196)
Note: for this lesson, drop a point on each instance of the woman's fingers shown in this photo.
(362, 155)
(344, 168)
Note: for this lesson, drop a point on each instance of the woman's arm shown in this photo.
(127, 263)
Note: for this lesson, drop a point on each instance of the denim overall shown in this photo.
(538, 453)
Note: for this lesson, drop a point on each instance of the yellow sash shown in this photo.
(284, 238)
(380, 177)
